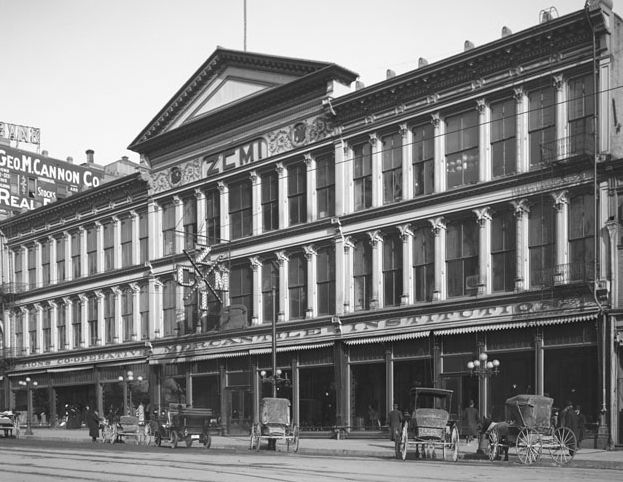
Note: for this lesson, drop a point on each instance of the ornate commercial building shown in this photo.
(392, 233)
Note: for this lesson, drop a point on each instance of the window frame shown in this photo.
(468, 126)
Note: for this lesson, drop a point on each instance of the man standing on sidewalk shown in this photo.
(395, 423)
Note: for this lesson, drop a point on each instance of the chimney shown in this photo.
(44, 153)
(359, 85)
(390, 74)
(90, 153)
(468, 46)
(422, 62)
(70, 159)
(506, 31)
(125, 158)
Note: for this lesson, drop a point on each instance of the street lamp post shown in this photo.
(29, 384)
(483, 368)
(275, 378)
(127, 390)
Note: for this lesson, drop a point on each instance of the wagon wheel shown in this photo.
(173, 438)
(189, 441)
(564, 446)
(452, 445)
(494, 445)
(158, 438)
(207, 441)
(401, 450)
(295, 439)
(529, 446)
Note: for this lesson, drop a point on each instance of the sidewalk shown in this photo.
(379, 448)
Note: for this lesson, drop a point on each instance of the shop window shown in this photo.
(423, 159)
(517, 376)
(362, 274)
(367, 352)
(213, 217)
(61, 326)
(423, 263)
(126, 241)
(45, 262)
(297, 187)
(169, 307)
(325, 273)
(143, 237)
(297, 286)
(325, 185)
(32, 266)
(503, 138)
(174, 390)
(368, 408)
(109, 246)
(317, 400)
(459, 344)
(462, 157)
(270, 201)
(240, 210)
(541, 247)
(409, 374)
(241, 288)
(317, 356)
(569, 334)
(362, 175)
(392, 269)
(462, 240)
(190, 223)
(503, 251)
(270, 299)
(75, 254)
(109, 318)
(581, 238)
(412, 348)
(510, 339)
(581, 110)
(392, 168)
(207, 393)
(168, 228)
(542, 125)
(127, 303)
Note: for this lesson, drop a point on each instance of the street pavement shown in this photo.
(378, 448)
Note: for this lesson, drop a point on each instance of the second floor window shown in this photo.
(127, 299)
(92, 315)
(60, 259)
(270, 201)
(423, 263)
(169, 306)
(168, 228)
(32, 330)
(392, 269)
(297, 192)
(542, 126)
(325, 185)
(392, 168)
(541, 246)
(241, 288)
(270, 291)
(581, 112)
(240, 210)
(92, 250)
(362, 175)
(109, 246)
(191, 311)
(503, 138)
(47, 328)
(503, 251)
(19, 278)
(61, 330)
(190, 223)
(462, 257)
(19, 333)
(143, 236)
(362, 274)
(75, 254)
(144, 309)
(213, 218)
(76, 325)
(45, 262)
(462, 157)
(32, 266)
(423, 159)
(581, 238)
(325, 274)
(126, 242)
(297, 286)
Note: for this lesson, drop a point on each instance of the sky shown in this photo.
(92, 74)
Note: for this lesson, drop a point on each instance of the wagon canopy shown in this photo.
(532, 411)
(275, 411)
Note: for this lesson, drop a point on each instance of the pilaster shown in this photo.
(312, 206)
(223, 190)
(521, 210)
(284, 297)
(440, 153)
(200, 198)
(312, 302)
(522, 124)
(376, 240)
(256, 202)
(484, 140)
(377, 171)
(439, 231)
(256, 266)
(483, 218)
(406, 235)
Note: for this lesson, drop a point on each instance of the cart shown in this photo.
(429, 427)
(528, 427)
(182, 423)
(9, 424)
(275, 425)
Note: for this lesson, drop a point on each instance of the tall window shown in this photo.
(541, 242)
(542, 125)
(270, 281)
(109, 317)
(241, 288)
(127, 304)
(240, 210)
(61, 322)
(362, 274)
(19, 332)
(325, 185)
(392, 168)
(32, 266)
(168, 228)
(423, 159)
(92, 250)
(213, 217)
(19, 278)
(47, 328)
(75, 254)
(45, 262)
(297, 186)
(503, 251)
(270, 201)
(169, 307)
(93, 313)
(581, 110)
(190, 222)
(462, 149)
(144, 307)
(325, 274)
(362, 175)
(60, 259)
(109, 246)
(143, 237)
(581, 237)
(297, 286)
(424, 263)
(191, 311)
(126, 241)
(462, 257)
(392, 269)
(503, 138)
(32, 330)
(76, 324)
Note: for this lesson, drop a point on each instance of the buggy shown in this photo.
(275, 425)
(429, 426)
(528, 427)
(9, 423)
(182, 423)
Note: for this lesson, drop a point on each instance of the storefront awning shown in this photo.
(311, 346)
(395, 337)
(192, 358)
(515, 324)
(69, 369)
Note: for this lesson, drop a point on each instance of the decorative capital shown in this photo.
(375, 237)
(519, 93)
(435, 120)
(199, 194)
(282, 257)
(115, 290)
(483, 215)
(221, 186)
(481, 105)
(52, 304)
(310, 251)
(279, 168)
(309, 160)
(255, 263)
(254, 177)
(520, 207)
(156, 282)
(67, 301)
(557, 81)
(83, 298)
(406, 232)
(99, 294)
(437, 225)
(115, 219)
(403, 129)
(373, 139)
(38, 307)
(177, 200)
(135, 287)
(348, 244)
(561, 198)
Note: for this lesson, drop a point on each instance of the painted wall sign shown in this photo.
(14, 132)
(69, 360)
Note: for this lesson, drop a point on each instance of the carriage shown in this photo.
(9, 424)
(275, 425)
(529, 428)
(181, 423)
(429, 426)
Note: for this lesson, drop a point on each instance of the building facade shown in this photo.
(391, 233)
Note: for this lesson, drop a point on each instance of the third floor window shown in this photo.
(462, 157)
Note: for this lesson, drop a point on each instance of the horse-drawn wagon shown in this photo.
(275, 425)
(181, 423)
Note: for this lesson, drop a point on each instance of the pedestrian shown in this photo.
(395, 423)
(581, 423)
(373, 417)
(568, 418)
(471, 419)
(93, 422)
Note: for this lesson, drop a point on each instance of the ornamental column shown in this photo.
(349, 287)
(154, 228)
(439, 231)
(39, 327)
(118, 320)
(116, 242)
(312, 302)
(25, 331)
(136, 311)
(377, 170)
(256, 203)
(406, 235)
(484, 140)
(282, 194)
(84, 259)
(521, 210)
(440, 156)
(284, 297)
(38, 266)
(69, 323)
(202, 234)
(560, 146)
(136, 243)
(53, 271)
(69, 267)
(84, 326)
(178, 233)
(312, 206)
(561, 205)
(376, 240)
(483, 218)
(256, 266)
(340, 279)
(521, 126)
(407, 164)
(99, 299)
(54, 344)
(99, 233)
(224, 205)
(155, 308)
(343, 178)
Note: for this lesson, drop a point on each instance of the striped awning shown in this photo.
(384, 338)
(310, 346)
(192, 358)
(70, 369)
(515, 324)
